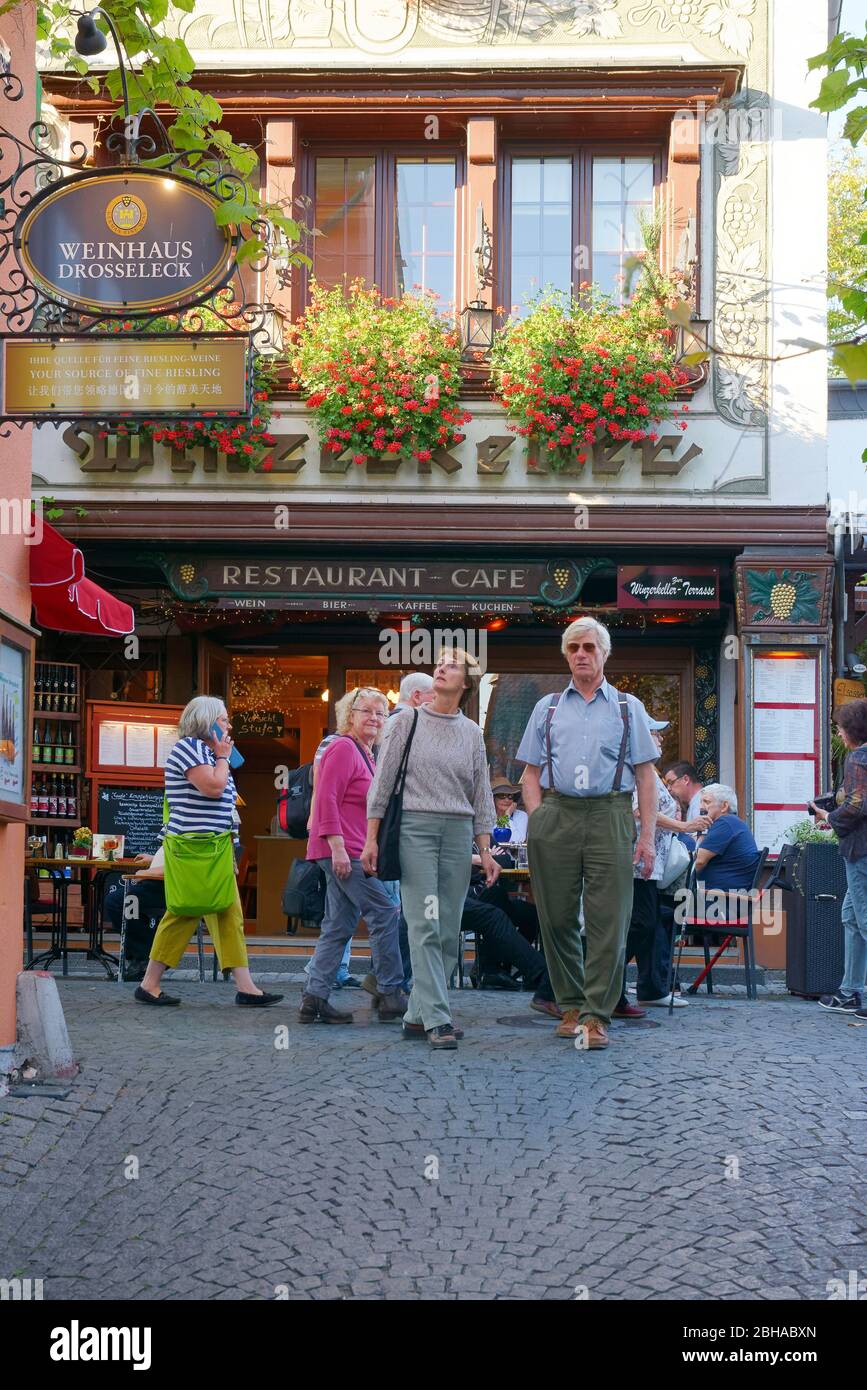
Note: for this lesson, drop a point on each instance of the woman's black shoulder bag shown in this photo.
(388, 861)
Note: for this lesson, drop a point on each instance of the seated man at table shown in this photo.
(500, 945)
(727, 854)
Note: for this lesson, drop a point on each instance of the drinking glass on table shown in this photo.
(521, 860)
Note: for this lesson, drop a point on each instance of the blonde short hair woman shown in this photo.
(447, 802)
(337, 828)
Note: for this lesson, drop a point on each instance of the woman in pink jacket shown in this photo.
(337, 833)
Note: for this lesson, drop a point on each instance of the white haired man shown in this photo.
(727, 854)
(415, 689)
(587, 749)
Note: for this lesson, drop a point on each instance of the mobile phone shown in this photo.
(235, 759)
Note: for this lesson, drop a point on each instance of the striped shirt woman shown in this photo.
(189, 809)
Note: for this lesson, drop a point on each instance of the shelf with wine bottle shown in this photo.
(56, 781)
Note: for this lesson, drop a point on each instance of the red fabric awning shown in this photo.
(67, 601)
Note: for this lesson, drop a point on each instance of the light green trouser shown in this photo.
(435, 866)
(582, 845)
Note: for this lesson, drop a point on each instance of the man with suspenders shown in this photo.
(585, 751)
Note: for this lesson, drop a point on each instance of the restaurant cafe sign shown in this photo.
(330, 585)
(119, 249)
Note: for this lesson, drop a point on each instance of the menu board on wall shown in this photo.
(785, 743)
(136, 813)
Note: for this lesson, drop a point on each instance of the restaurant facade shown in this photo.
(485, 150)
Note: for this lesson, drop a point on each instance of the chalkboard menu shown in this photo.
(257, 723)
(134, 812)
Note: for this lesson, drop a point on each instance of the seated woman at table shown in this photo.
(201, 795)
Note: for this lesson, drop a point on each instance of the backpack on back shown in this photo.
(293, 804)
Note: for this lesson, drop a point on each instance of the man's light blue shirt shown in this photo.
(585, 741)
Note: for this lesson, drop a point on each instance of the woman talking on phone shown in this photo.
(200, 868)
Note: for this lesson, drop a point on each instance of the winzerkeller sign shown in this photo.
(124, 241)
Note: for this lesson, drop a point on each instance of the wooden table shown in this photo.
(93, 891)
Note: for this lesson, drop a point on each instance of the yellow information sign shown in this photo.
(125, 376)
(846, 690)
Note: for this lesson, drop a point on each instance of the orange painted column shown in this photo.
(481, 193)
(15, 559)
(682, 193)
(281, 158)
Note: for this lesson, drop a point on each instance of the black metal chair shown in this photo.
(705, 927)
(55, 911)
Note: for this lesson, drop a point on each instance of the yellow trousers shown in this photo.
(226, 929)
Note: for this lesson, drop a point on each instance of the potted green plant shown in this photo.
(502, 831)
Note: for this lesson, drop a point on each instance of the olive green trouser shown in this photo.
(226, 929)
(581, 846)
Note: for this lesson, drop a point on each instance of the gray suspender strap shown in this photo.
(621, 757)
(549, 715)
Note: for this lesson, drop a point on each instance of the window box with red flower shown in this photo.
(382, 376)
(574, 372)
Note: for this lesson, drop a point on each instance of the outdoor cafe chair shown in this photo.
(704, 927)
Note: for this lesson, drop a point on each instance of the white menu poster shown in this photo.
(140, 745)
(111, 744)
(784, 731)
(784, 782)
(167, 737)
(769, 827)
(784, 680)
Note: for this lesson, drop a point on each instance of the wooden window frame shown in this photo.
(385, 200)
(582, 154)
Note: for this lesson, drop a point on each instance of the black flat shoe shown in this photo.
(256, 1001)
(144, 997)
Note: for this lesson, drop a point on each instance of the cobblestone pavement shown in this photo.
(352, 1164)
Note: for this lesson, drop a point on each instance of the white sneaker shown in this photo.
(663, 1003)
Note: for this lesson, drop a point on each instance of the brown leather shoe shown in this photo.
(391, 1006)
(417, 1030)
(316, 1010)
(596, 1034)
(568, 1025)
(546, 1006)
(627, 1010)
(442, 1038)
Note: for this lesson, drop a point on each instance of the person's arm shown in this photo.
(715, 842)
(531, 788)
(390, 754)
(335, 771)
(702, 856)
(697, 826)
(210, 779)
(852, 809)
(669, 823)
(644, 855)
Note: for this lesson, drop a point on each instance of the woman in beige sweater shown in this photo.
(447, 803)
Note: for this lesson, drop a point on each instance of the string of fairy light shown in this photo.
(208, 616)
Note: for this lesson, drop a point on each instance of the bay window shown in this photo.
(388, 218)
(573, 216)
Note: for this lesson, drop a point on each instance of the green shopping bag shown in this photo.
(199, 873)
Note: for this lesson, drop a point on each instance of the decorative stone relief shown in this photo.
(741, 320)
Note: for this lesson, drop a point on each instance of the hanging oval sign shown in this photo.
(124, 241)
